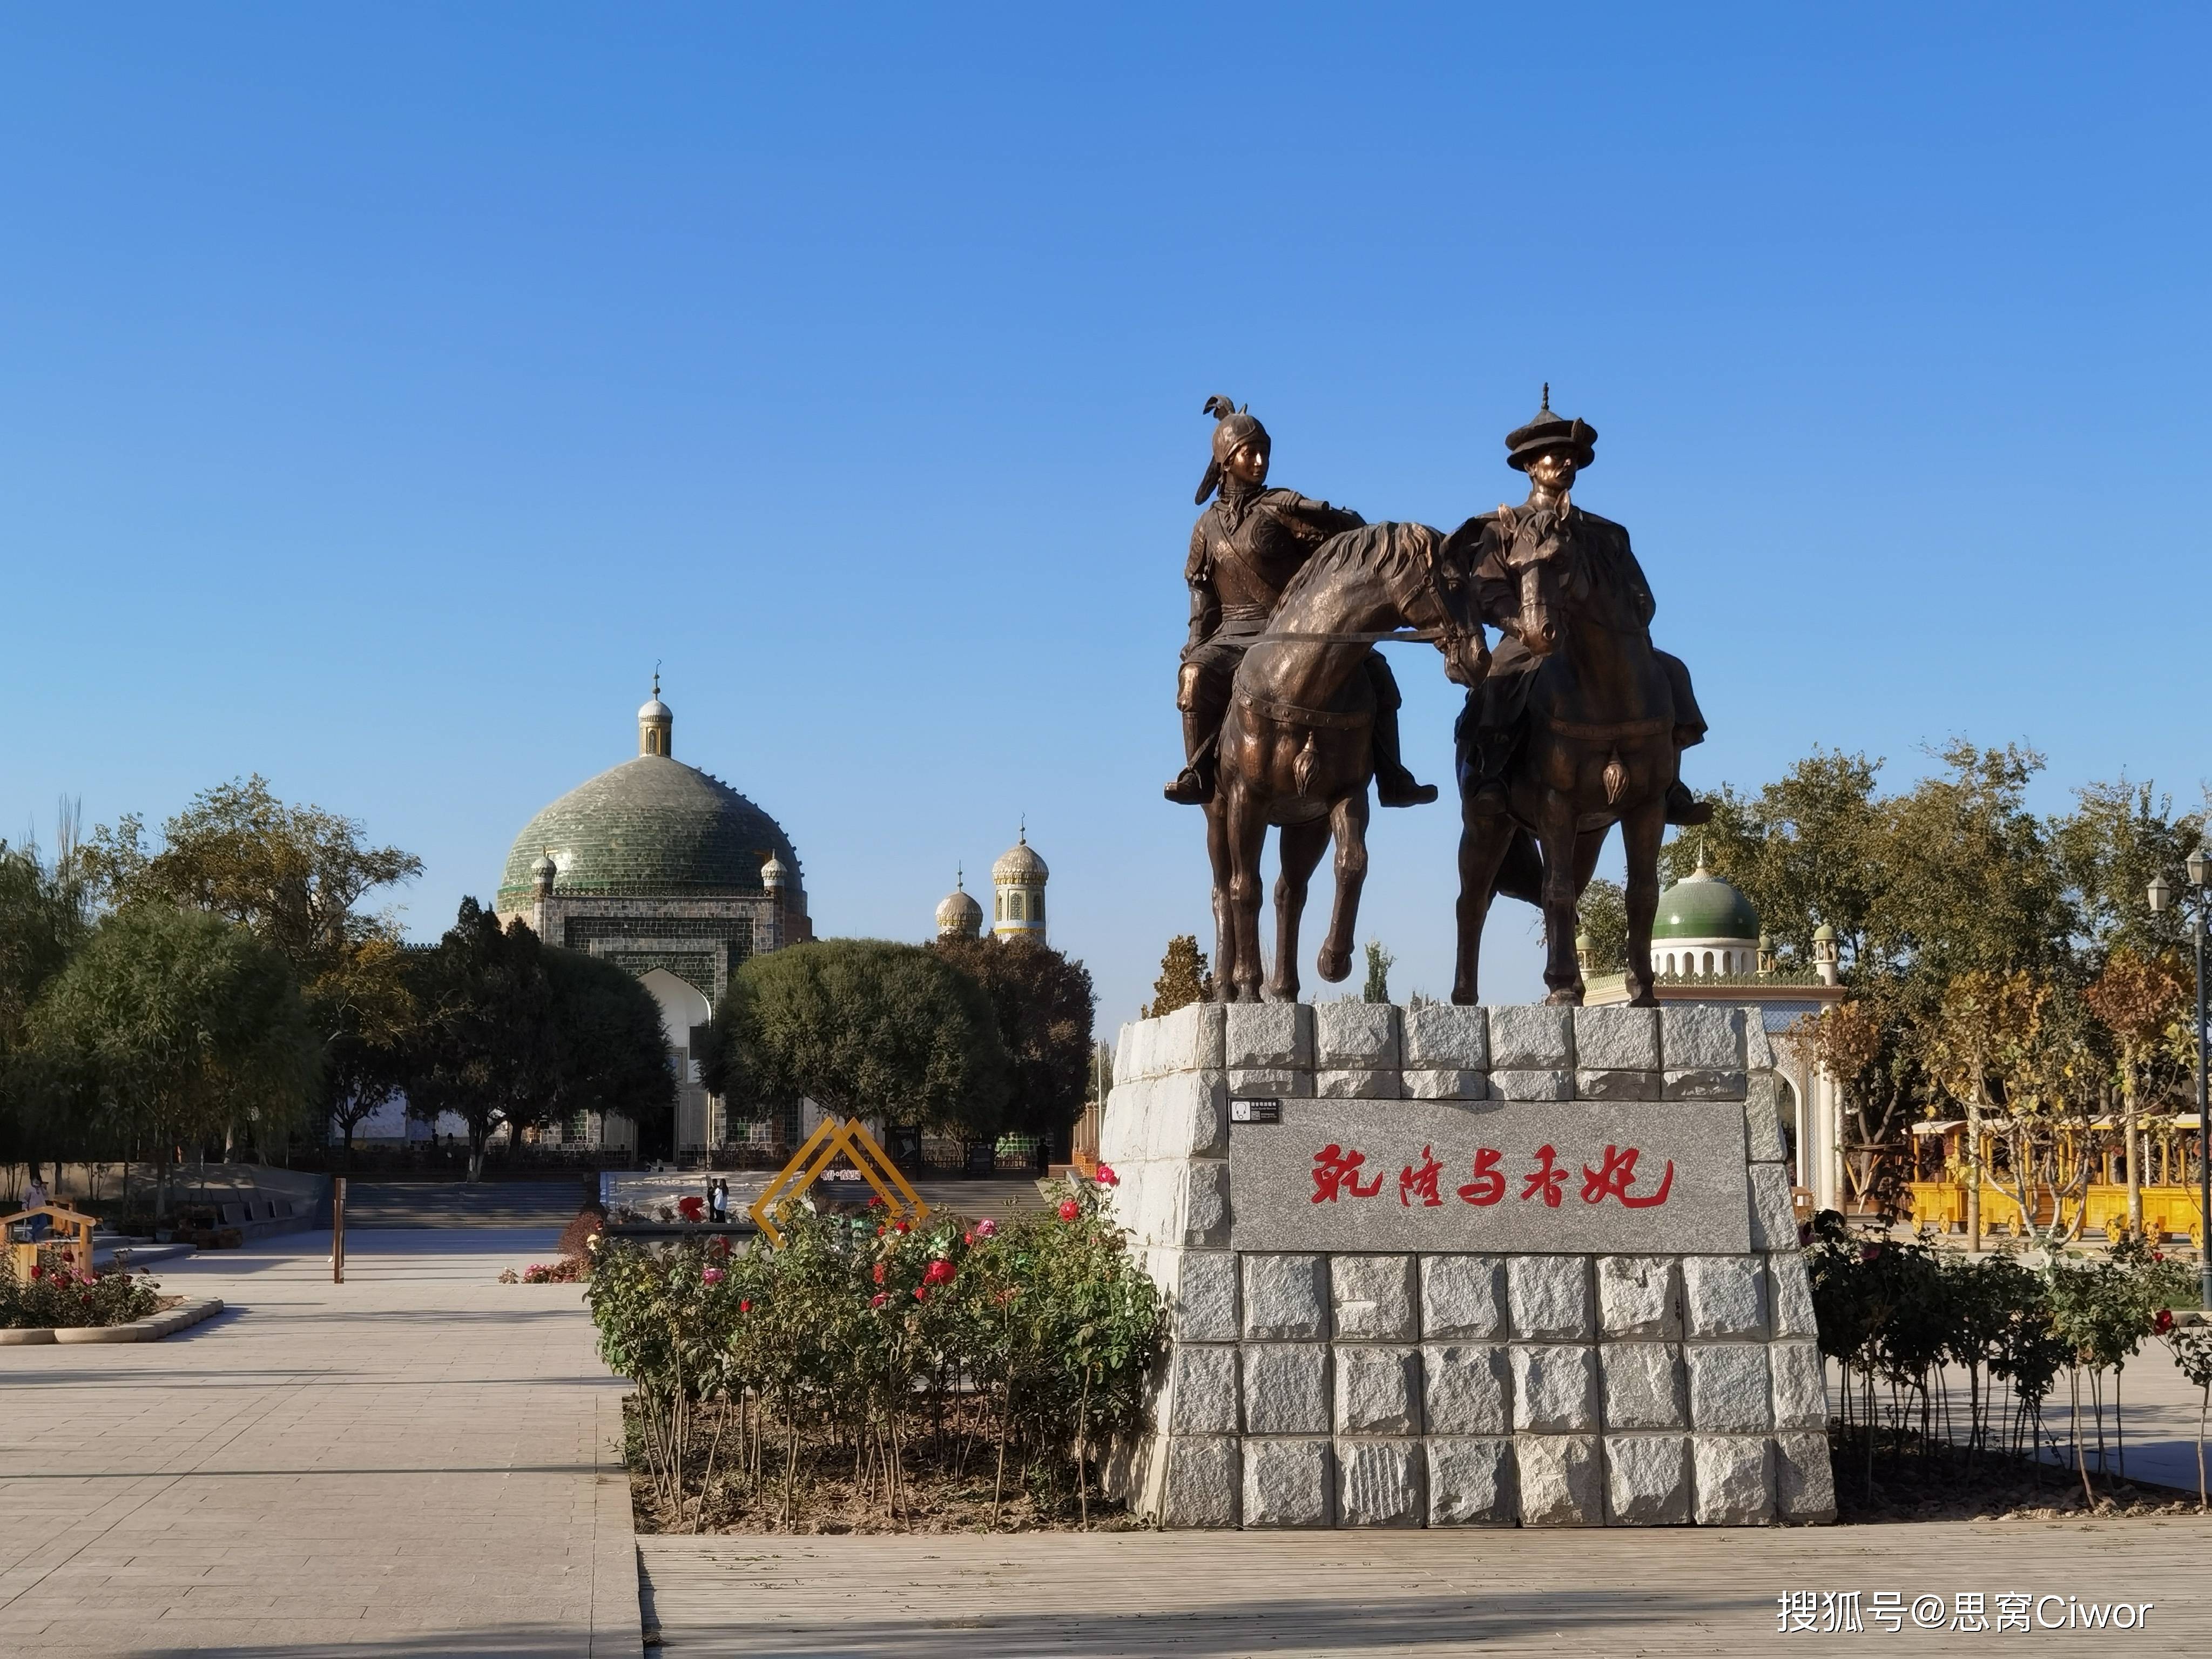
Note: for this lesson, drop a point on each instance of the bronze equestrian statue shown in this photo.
(1246, 547)
(1580, 723)
(1298, 740)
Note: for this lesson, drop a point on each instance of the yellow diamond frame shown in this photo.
(830, 1138)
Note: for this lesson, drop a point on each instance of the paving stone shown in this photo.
(1205, 1297)
(1550, 1297)
(1286, 1388)
(1734, 1476)
(1791, 1289)
(1532, 1085)
(1374, 1297)
(1701, 1036)
(1639, 1296)
(1773, 1221)
(1705, 1086)
(1618, 1086)
(1467, 1388)
(1445, 1037)
(1377, 1390)
(1729, 1387)
(1380, 1483)
(1356, 1036)
(1762, 1118)
(1204, 1475)
(1201, 1395)
(1285, 1297)
(1560, 1481)
(1462, 1296)
(1643, 1385)
(1269, 1035)
(1800, 1389)
(1470, 1482)
(1647, 1480)
(1804, 1478)
(1554, 1389)
(1357, 1086)
(1287, 1483)
(1616, 1039)
(1724, 1296)
(1531, 1037)
(1445, 1085)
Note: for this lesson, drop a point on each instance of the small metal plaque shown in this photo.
(1255, 1111)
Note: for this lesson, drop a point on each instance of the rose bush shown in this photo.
(58, 1296)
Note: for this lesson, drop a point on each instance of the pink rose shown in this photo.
(879, 1299)
(1107, 1177)
(987, 1228)
(712, 1275)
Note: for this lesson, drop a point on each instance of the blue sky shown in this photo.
(383, 390)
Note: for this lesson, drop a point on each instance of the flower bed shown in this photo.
(59, 1298)
(870, 1375)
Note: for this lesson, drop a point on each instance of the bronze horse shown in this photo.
(1598, 750)
(1296, 747)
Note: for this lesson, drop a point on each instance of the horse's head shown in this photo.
(1553, 576)
(1445, 603)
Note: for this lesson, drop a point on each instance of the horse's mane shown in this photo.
(1387, 549)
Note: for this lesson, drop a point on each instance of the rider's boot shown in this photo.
(1393, 784)
(1683, 807)
(1193, 785)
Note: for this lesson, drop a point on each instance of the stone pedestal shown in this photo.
(1466, 1267)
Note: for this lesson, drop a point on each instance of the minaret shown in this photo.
(1018, 877)
(656, 725)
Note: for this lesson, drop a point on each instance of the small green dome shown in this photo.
(1703, 906)
(652, 826)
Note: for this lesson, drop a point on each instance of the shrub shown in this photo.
(61, 1297)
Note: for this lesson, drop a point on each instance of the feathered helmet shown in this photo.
(1545, 430)
(1232, 429)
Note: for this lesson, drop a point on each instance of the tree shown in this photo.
(610, 1054)
(2136, 998)
(1184, 978)
(861, 1026)
(484, 1046)
(1044, 1005)
(174, 1023)
(1601, 917)
(1378, 988)
(2119, 835)
(1985, 1032)
(46, 910)
(366, 1032)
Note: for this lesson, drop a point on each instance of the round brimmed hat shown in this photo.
(1231, 427)
(1545, 430)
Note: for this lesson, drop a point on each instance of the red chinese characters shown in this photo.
(1618, 1176)
(1488, 1185)
(1547, 1178)
(1421, 1183)
(1336, 1172)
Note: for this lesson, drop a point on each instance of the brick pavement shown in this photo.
(416, 1462)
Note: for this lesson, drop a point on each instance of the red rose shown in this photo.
(37, 1272)
(876, 1202)
(879, 1299)
(920, 1291)
(691, 1207)
(1107, 1177)
(745, 1307)
(879, 1273)
(906, 1226)
(938, 1273)
(1069, 1209)
(2165, 1320)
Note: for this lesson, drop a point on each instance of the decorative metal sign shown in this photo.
(1514, 1177)
(809, 1164)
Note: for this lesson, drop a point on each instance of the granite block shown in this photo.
(1124, 1133)
(1639, 1296)
(1703, 1085)
(1550, 1297)
(1286, 1388)
(1618, 1086)
(1531, 1037)
(1774, 1218)
(1204, 1473)
(1269, 1036)
(1445, 1085)
(1463, 1295)
(1204, 1306)
(1804, 1478)
(1202, 1393)
(1801, 1386)
(1729, 1392)
(1733, 1475)
(1187, 1040)
(1701, 1036)
(1272, 1083)
(1791, 1290)
(1643, 1385)
(1285, 1297)
(1467, 1388)
(1380, 1483)
(1374, 1299)
(1762, 1118)
(1647, 1477)
(1130, 1050)
(1356, 1036)
(1187, 1115)
(1377, 1390)
(1532, 1085)
(1724, 1296)
(1616, 1039)
(1554, 1389)
(1287, 1483)
(1470, 1482)
(1356, 1085)
(1441, 1036)
(1758, 1048)
(1206, 1210)
(1560, 1481)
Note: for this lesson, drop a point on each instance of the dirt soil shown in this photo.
(1912, 1487)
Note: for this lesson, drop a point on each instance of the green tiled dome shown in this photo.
(650, 826)
(1703, 906)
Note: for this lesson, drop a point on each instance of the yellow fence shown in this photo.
(1942, 1206)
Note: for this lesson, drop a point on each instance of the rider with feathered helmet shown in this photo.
(1244, 549)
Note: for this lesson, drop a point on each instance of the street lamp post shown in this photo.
(2199, 899)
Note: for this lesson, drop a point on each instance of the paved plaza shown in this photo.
(420, 1462)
